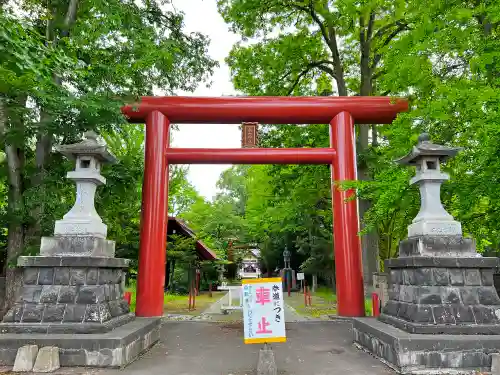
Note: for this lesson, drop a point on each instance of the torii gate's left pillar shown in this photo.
(348, 264)
(152, 257)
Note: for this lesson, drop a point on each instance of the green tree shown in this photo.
(120, 199)
(449, 65)
(181, 255)
(215, 222)
(67, 67)
(306, 47)
(182, 194)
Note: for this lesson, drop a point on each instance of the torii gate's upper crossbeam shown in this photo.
(267, 109)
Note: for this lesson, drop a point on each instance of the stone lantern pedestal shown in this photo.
(72, 295)
(443, 312)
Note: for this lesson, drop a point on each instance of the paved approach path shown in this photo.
(209, 348)
(215, 311)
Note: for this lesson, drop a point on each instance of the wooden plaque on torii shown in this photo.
(249, 134)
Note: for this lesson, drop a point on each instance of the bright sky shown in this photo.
(202, 16)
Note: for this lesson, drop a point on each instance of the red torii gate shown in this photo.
(340, 112)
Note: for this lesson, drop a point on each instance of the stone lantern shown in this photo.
(432, 219)
(286, 257)
(75, 288)
(287, 274)
(72, 294)
(443, 312)
(82, 219)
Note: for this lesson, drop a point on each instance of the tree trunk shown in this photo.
(315, 282)
(334, 283)
(172, 275)
(15, 239)
(369, 242)
(45, 135)
(167, 274)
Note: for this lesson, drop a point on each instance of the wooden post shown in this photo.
(194, 294)
(289, 281)
(198, 276)
(375, 305)
(190, 288)
(128, 297)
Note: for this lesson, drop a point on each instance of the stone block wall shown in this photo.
(496, 280)
(434, 299)
(69, 295)
(432, 354)
(381, 287)
(112, 349)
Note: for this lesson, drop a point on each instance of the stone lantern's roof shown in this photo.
(426, 148)
(89, 146)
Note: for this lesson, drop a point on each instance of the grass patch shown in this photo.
(323, 302)
(175, 304)
(319, 305)
(326, 294)
(178, 304)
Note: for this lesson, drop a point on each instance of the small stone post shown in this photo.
(266, 364)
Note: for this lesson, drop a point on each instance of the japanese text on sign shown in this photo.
(263, 311)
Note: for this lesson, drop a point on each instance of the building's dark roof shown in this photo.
(181, 227)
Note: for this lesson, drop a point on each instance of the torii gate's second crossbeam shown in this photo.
(340, 112)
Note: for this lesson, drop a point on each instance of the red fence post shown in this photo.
(198, 276)
(127, 296)
(190, 297)
(193, 286)
(348, 266)
(153, 239)
(375, 304)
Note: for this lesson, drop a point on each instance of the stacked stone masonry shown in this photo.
(443, 299)
(450, 246)
(72, 293)
(111, 349)
(443, 313)
(411, 353)
(69, 295)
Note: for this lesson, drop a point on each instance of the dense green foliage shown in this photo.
(67, 67)
(443, 56)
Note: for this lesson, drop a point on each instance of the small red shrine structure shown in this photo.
(340, 112)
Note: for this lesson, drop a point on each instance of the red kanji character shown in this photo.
(263, 295)
(263, 326)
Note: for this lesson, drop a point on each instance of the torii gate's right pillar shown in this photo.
(348, 263)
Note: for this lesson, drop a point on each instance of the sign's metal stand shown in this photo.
(231, 289)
